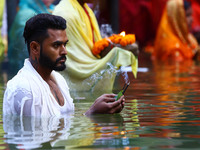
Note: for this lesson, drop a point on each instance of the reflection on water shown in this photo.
(30, 132)
(162, 111)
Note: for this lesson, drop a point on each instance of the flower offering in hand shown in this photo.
(100, 46)
(121, 39)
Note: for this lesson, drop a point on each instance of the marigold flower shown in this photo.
(100, 46)
(116, 39)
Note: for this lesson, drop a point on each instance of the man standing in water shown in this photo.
(37, 89)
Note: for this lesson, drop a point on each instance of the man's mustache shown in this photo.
(61, 58)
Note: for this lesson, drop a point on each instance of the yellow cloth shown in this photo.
(173, 39)
(84, 70)
(2, 4)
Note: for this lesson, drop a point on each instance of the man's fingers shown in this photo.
(116, 103)
(107, 100)
(116, 107)
(109, 95)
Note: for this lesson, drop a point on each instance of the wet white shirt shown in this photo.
(28, 94)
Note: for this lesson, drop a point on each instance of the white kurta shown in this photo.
(28, 94)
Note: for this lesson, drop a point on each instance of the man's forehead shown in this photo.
(57, 35)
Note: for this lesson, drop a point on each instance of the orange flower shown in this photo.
(116, 39)
(123, 40)
(100, 46)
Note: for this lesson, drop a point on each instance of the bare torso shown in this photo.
(56, 92)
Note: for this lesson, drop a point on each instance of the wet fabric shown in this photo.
(85, 71)
(17, 50)
(173, 40)
(28, 94)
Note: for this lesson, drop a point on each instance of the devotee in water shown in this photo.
(174, 40)
(17, 51)
(87, 71)
(37, 89)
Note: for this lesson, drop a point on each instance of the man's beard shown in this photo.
(45, 61)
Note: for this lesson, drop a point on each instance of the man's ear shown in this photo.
(35, 47)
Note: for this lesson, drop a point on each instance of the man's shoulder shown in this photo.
(19, 82)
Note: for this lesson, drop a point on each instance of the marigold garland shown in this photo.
(116, 39)
(99, 46)
(123, 40)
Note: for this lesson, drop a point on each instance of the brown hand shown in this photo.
(106, 104)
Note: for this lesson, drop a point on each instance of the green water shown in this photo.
(162, 112)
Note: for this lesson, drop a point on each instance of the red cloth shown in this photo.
(141, 17)
(196, 13)
(90, 23)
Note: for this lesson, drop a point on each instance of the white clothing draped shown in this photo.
(28, 94)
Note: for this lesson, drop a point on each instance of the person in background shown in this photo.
(196, 19)
(38, 89)
(174, 40)
(17, 51)
(83, 32)
(141, 17)
(3, 30)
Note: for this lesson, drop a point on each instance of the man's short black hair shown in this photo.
(37, 26)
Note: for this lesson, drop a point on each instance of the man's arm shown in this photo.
(23, 103)
(106, 104)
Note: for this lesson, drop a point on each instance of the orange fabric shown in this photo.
(173, 40)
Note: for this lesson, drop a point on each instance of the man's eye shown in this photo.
(55, 45)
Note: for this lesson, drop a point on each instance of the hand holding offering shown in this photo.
(120, 40)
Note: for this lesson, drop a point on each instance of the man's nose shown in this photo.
(63, 50)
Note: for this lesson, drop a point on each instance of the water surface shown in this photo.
(162, 111)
